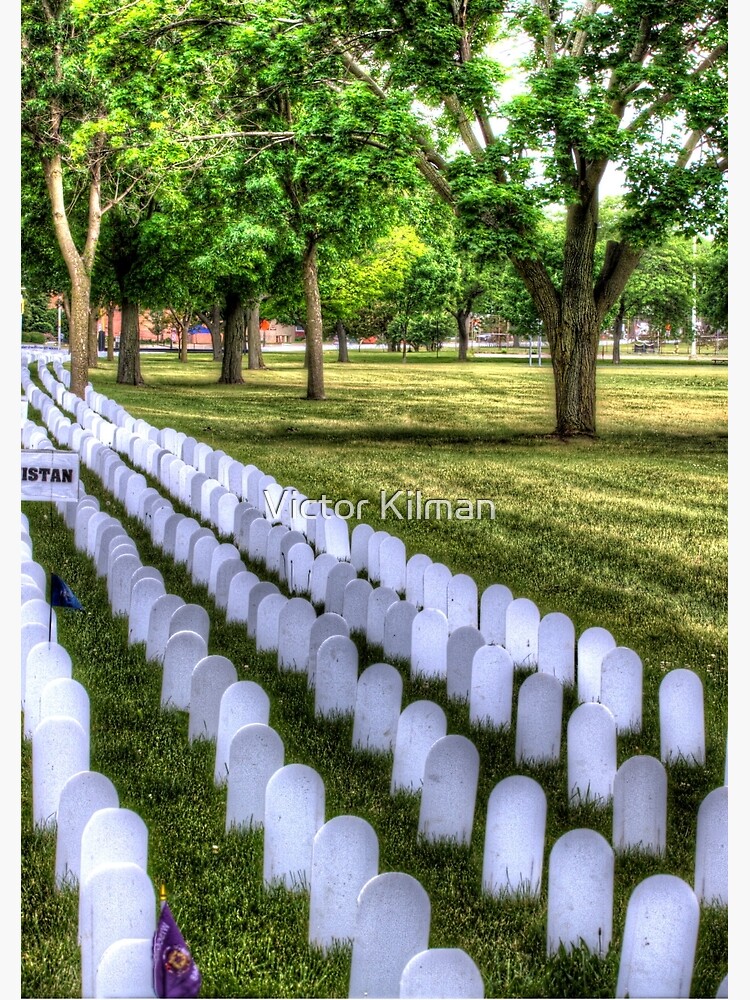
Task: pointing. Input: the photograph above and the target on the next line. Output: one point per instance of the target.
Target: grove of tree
(265, 148)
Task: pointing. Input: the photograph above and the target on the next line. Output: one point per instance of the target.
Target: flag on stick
(175, 971)
(62, 595)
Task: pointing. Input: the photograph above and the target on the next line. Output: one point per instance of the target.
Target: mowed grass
(628, 532)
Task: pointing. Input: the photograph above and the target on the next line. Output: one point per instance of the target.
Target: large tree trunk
(216, 331)
(234, 335)
(254, 346)
(79, 265)
(619, 326)
(573, 317)
(342, 339)
(93, 339)
(129, 363)
(314, 323)
(110, 331)
(462, 320)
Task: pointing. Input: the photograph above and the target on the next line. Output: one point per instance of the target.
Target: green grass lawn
(628, 532)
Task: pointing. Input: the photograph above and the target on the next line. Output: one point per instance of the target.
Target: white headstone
(255, 753)
(712, 849)
(429, 644)
(336, 668)
(299, 564)
(681, 723)
(356, 599)
(336, 581)
(377, 708)
(119, 582)
(158, 625)
(111, 834)
(359, 545)
(379, 600)
(514, 838)
(393, 564)
(273, 549)
(397, 628)
(592, 754)
(126, 969)
(580, 894)
(248, 514)
(59, 749)
(211, 677)
(323, 627)
(190, 618)
(33, 633)
(491, 690)
(238, 595)
(420, 724)
(45, 662)
(294, 812)
(556, 648)
(374, 542)
(267, 625)
(225, 574)
(463, 642)
(223, 552)
(242, 704)
(182, 652)
(257, 594)
(80, 797)
(659, 940)
(593, 644)
(65, 696)
(522, 632)
(539, 719)
(322, 567)
(639, 806)
(449, 790)
(295, 621)
(186, 528)
(415, 568)
(144, 595)
(119, 899)
(621, 688)
(462, 602)
(441, 972)
(335, 536)
(345, 856)
(392, 926)
(203, 544)
(435, 587)
(257, 540)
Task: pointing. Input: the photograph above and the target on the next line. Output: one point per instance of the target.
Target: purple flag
(61, 594)
(175, 971)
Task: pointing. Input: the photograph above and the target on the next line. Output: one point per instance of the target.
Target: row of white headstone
(420, 632)
(452, 755)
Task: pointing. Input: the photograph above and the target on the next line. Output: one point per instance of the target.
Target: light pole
(59, 322)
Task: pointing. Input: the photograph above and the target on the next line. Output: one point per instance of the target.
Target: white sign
(49, 475)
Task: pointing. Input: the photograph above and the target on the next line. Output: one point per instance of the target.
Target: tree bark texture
(93, 339)
(254, 347)
(462, 321)
(314, 324)
(572, 317)
(342, 339)
(216, 331)
(129, 363)
(78, 266)
(110, 331)
(234, 336)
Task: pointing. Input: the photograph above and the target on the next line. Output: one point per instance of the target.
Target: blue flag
(62, 595)
(175, 971)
